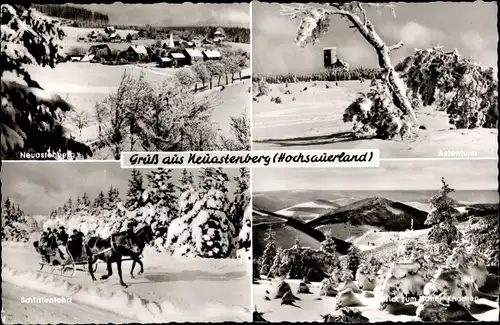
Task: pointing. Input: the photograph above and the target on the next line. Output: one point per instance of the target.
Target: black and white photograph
(88, 81)
(408, 241)
(415, 80)
(94, 243)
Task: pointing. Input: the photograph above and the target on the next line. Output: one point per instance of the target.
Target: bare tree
(201, 71)
(99, 113)
(81, 120)
(315, 22)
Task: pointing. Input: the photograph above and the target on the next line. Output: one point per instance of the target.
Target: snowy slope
(310, 308)
(171, 289)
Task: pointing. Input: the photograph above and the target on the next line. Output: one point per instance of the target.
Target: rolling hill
(375, 211)
(287, 231)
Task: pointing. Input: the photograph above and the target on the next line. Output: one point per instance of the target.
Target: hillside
(385, 214)
(287, 231)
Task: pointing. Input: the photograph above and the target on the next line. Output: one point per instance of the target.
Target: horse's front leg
(110, 271)
(119, 268)
(90, 260)
(132, 270)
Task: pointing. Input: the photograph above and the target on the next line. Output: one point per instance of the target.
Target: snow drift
(122, 302)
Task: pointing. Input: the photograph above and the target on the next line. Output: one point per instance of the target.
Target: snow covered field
(309, 308)
(171, 289)
(312, 119)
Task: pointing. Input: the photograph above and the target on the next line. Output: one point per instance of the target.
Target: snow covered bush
(366, 275)
(466, 90)
(304, 262)
(376, 114)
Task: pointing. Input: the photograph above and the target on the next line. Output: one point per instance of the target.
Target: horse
(112, 249)
(142, 237)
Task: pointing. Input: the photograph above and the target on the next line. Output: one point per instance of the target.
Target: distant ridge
(375, 211)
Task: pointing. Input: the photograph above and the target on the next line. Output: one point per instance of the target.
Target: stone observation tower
(329, 56)
(331, 60)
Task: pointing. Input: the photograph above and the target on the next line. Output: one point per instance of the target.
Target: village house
(164, 62)
(218, 36)
(135, 53)
(115, 37)
(100, 51)
(178, 59)
(211, 55)
(109, 30)
(192, 56)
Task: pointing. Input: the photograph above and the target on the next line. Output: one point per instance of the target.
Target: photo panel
(91, 242)
(408, 241)
(395, 77)
(125, 77)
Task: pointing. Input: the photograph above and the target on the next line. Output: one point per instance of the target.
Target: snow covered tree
(353, 259)
(85, 200)
(245, 234)
(443, 216)
(135, 190)
(270, 251)
(328, 245)
(69, 206)
(241, 199)
(240, 129)
(113, 196)
(31, 116)
(466, 90)
(7, 206)
(203, 229)
(212, 229)
(15, 226)
(160, 196)
(315, 22)
(100, 201)
(186, 180)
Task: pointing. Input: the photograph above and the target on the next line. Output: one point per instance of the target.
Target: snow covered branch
(396, 46)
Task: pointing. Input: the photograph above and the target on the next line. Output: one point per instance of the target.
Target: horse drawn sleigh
(86, 253)
(64, 259)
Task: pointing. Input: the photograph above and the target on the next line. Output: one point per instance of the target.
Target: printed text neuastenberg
(285, 158)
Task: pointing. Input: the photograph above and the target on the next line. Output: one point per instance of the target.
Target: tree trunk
(195, 87)
(203, 83)
(218, 83)
(227, 77)
(396, 84)
(210, 82)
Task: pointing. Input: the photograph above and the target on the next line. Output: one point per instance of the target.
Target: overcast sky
(469, 27)
(185, 14)
(394, 175)
(41, 187)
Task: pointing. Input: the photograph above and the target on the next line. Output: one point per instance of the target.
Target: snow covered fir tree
(193, 213)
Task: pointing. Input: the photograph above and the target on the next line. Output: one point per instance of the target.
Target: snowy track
(171, 289)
